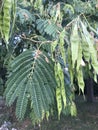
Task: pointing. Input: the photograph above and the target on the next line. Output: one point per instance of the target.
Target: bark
(2, 102)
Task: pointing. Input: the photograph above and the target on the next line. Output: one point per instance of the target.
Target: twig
(69, 24)
(32, 40)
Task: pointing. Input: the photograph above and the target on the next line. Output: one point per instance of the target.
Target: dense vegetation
(48, 48)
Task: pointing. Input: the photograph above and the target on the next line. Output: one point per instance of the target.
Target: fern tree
(51, 54)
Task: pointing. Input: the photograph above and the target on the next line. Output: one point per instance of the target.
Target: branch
(34, 41)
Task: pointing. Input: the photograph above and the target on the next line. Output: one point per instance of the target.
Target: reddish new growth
(37, 53)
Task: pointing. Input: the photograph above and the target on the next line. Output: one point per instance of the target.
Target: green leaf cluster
(31, 80)
(53, 50)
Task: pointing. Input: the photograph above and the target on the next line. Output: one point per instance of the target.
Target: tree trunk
(89, 90)
(2, 102)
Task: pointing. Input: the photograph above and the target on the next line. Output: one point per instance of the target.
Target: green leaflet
(24, 16)
(47, 91)
(41, 24)
(51, 29)
(36, 99)
(74, 39)
(34, 118)
(22, 102)
(13, 87)
(47, 27)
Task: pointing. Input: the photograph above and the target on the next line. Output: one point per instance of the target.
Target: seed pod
(73, 109)
(74, 39)
(80, 80)
(6, 19)
(59, 101)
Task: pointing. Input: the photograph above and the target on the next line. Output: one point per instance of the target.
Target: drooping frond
(47, 27)
(32, 79)
(25, 16)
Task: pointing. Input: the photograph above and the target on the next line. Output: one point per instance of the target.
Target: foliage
(31, 82)
(51, 43)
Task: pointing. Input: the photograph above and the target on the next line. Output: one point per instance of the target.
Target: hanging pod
(92, 50)
(74, 40)
(6, 19)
